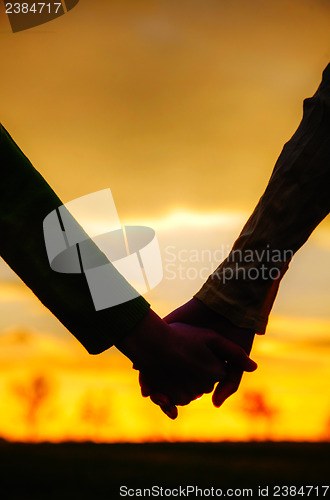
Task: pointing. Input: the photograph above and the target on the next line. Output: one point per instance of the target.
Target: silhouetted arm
(178, 358)
(237, 298)
(25, 200)
(243, 288)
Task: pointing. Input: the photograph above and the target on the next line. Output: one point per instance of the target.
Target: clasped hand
(186, 354)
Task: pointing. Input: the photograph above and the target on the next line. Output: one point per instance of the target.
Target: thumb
(228, 351)
(226, 388)
(158, 398)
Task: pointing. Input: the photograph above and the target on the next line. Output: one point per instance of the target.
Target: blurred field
(87, 470)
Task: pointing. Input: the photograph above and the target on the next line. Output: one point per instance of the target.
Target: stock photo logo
(85, 236)
(24, 15)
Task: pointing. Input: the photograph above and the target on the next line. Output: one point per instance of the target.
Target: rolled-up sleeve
(243, 288)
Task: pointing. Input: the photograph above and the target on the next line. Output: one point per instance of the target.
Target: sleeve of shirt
(25, 200)
(243, 288)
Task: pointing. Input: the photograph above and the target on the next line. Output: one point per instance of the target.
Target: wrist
(241, 336)
(141, 344)
(194, 312)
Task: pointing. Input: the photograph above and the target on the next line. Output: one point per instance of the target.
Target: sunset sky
(182, 109)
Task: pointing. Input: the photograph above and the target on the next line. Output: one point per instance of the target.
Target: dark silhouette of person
(183, 361)
(237, 298)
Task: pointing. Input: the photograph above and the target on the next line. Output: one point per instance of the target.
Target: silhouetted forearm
(25, 200)
(297, 198)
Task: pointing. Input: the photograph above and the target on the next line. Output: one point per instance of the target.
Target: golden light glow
(83, 397)
(182, 109)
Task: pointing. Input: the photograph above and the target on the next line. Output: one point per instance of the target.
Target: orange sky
(181, 108)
